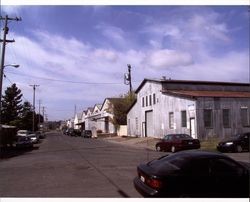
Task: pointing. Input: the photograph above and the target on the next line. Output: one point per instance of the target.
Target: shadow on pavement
(10, 152)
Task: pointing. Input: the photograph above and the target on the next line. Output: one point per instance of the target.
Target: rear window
(170, 163)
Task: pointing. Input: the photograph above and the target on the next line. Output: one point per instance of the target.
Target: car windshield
(22, 132)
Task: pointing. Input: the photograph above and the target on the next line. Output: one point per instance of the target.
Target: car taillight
(154, 183)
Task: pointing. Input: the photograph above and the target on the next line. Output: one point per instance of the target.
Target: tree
(11, 105)
(26, 116)
(119, 107)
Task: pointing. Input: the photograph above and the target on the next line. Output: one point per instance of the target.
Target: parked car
(193, 174)
(77, 132)
(34, 138)
(23, 132)
(87, 133)
(238, 143)
(40, 134)
(70, 132)
(177, 142)
(23, 142)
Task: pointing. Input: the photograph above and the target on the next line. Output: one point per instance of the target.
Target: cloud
(115, 35)
(162, 59)
(106, 54)
(10, 10)
(184, 47)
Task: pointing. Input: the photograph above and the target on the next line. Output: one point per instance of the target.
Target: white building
(198, 108)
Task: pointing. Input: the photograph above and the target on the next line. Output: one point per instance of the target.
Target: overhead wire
(13, 83)
(67, 81)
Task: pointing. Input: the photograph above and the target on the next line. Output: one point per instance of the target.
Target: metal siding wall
(218, 131)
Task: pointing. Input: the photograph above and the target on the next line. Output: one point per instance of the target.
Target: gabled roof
(162, 81)
(111, 100)
(219, 94)
(90, 109)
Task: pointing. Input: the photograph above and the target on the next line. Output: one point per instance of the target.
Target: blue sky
(59, 45)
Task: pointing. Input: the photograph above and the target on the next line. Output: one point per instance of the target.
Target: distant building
(199, 108)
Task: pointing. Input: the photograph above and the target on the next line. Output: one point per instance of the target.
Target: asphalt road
(63, 166)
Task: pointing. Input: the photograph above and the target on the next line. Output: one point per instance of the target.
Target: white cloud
(10, 10)
(106, 55)
(162, 59)
(179, 49)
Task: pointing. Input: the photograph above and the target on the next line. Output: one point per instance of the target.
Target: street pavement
(64, 166)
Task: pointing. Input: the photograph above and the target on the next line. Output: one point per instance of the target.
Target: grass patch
(209, 145)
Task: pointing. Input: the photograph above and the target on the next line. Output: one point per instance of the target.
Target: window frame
(245, 123)
(210, 117)
(184, 122)
(171, 120)
(224, 121)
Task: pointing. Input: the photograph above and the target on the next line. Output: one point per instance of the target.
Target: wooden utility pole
(4, 41)
(34, 107)
(127, 79)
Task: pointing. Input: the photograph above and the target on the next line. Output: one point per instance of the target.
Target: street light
(1, 83)
(12, 65)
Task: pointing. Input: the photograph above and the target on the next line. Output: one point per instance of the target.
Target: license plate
(142, 178)
(190, 143)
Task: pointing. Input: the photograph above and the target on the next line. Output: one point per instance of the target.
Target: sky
(78, 55)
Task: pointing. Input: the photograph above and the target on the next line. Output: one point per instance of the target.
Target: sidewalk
(144, 142)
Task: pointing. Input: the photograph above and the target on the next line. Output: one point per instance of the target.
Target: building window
(154, 100)
(171, 120)
(146, 101)
(208, 118)
(226, 118)
(143, 104)
(150, 100)
(136, 123)
(184, 118)
(244, 116)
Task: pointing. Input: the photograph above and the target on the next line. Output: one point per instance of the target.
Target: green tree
(119, 107)
(26, 116)
(11, 105)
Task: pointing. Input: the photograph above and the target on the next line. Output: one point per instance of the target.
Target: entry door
(149, 123)
(106, 124)
(143, 130)
(192, 128)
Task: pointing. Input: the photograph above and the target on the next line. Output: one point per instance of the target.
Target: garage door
(149, 124)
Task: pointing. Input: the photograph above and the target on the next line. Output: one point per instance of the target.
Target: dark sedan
(177, 142)
(193, 174)
(23, 142)
(87, 134)
(237, 143)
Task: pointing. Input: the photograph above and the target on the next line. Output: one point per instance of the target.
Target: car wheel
(238, 148)
(173, 150)
(158, 148)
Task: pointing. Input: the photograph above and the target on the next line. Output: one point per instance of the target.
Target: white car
(23, 132)
(34, 138)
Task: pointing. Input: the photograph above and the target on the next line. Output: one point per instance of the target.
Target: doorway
(192, 128)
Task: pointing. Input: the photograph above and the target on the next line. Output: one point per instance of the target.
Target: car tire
(173, 149)
(238, 148)
(158, 148)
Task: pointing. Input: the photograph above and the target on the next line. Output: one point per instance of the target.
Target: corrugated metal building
(201, 109)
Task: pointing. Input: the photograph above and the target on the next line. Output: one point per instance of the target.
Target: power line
(13, 83)
(67, 81)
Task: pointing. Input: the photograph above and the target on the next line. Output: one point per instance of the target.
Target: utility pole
(34, 107)
(39, 117)
(4, 41)
(127, 79)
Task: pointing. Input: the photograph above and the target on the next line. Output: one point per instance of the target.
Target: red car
(177, 142)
